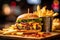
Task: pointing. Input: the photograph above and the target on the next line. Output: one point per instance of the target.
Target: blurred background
(11, 9)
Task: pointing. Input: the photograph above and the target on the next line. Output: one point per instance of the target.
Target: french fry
(55, 14)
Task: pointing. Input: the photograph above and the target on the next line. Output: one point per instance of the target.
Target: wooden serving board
(15, 36)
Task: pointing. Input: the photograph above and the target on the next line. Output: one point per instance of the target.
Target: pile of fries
(56, 24)
(44, 12)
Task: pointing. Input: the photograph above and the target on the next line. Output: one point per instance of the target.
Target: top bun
(27, 16)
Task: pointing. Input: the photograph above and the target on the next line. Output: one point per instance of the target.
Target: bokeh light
(55, 5)
(34, 1)
(6, 9)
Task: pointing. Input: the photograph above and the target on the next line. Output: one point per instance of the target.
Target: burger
(29, 22)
